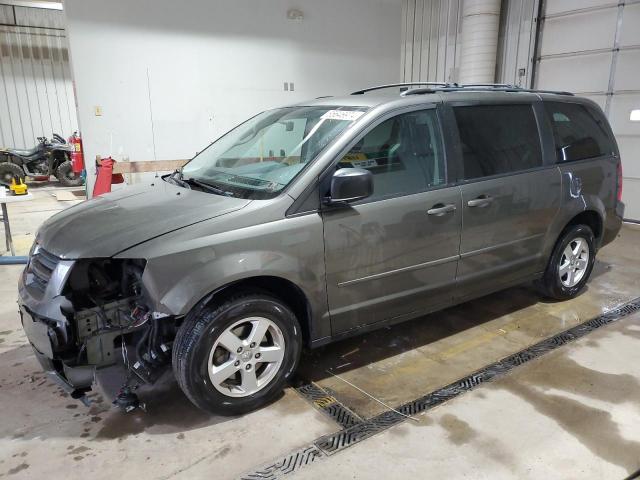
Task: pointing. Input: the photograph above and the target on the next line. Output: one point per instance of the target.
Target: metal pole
(7, 229)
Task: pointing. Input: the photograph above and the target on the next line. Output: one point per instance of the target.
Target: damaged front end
(88, 314)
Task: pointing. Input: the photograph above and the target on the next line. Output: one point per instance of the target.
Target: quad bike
(48, 157)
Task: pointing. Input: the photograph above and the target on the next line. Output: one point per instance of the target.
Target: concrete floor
(573, 413)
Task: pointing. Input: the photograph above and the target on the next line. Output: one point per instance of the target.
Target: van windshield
(262, 156)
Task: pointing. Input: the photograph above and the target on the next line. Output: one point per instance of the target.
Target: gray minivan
(318, 221)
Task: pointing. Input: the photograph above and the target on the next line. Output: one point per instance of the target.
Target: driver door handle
(481, 201)
(440, 209)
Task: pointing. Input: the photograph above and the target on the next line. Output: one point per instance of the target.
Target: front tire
(65, 175)
(234, 357)
(570, 265)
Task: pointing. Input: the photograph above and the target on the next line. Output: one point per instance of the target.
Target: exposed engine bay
(111, 322)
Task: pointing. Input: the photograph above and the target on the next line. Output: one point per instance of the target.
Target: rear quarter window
(578, 133)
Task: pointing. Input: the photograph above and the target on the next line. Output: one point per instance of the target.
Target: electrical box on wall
(295, 14)
(97, 111)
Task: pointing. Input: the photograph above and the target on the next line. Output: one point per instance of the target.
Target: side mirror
(349, 185)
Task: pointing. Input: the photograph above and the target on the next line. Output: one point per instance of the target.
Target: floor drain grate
(326, 402)
(285, 465)
(345, 438)
(357, 429)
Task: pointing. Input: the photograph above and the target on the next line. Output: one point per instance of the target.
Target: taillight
(619, 181)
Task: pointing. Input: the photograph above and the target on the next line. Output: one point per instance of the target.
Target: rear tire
(570, 265)
(234, 357)
(9, 171)
(65, 175)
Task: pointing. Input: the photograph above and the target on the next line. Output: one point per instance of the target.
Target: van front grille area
(41, 265)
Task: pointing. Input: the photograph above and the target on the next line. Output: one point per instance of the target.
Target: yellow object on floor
(18, 187)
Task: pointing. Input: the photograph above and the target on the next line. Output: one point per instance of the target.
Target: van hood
(111, 223)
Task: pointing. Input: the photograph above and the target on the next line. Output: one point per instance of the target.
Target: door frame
(545, 135)
(324, 179)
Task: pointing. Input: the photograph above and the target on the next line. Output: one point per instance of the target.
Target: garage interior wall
(432, 36)
(592, 48)
(36, 90)
(430, 40)
(517, 41)
(156, 80)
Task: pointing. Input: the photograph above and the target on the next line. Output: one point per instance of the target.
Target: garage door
(592, 47)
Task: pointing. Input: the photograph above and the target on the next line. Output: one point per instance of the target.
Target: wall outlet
(97, 110)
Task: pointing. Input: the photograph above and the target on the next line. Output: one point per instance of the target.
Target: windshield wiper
(208, 187)
(176, 178)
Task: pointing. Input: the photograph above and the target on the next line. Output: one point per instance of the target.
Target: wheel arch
(283, 289)
(590, 218)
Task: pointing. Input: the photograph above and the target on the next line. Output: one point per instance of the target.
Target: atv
(48, 157)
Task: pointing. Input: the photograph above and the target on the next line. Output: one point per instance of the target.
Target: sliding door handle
(481, 201)
(440, 209)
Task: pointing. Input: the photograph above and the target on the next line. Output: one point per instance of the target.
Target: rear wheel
(65, 174)
(235, 357)
(570, 264)
(9, 171)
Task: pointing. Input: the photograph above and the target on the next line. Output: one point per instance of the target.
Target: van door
(395, 253)
(509, 197)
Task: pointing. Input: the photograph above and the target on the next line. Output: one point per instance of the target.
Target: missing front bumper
(75, 380)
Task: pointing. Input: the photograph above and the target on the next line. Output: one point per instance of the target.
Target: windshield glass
(260, 157)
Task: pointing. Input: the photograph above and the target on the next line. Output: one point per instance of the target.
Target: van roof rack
(481, 87)
(393, 85)
(433, 87)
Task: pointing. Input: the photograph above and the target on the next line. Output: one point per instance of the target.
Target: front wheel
(65, 174)
(235, 357)
(570, 264)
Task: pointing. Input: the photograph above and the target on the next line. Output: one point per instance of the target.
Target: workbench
(4, 199)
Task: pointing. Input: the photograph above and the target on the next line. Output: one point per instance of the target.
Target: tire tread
(193, 328)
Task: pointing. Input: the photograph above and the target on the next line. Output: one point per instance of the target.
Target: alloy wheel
(574, 262)
(246, 357)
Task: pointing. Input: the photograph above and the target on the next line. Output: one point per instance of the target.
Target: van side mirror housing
(349, 185)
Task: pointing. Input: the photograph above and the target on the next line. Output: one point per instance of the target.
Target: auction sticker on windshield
(349, 115)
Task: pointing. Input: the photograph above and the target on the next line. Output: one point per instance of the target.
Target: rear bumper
(613, 224)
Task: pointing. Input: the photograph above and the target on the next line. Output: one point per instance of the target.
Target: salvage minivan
(315, 222)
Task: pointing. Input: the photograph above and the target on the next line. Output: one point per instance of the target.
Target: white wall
(212, 64)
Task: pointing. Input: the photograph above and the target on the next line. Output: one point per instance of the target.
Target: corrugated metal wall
(593, 49)
(432, 37)
(430, 47)
(36, 90)
(516, 45)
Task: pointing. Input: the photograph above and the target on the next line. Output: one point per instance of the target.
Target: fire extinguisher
(77, 157)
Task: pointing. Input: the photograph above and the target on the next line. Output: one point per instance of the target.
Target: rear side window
(498, 139)
(578, 133)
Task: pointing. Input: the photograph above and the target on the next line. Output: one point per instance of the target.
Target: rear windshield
(578, 133)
